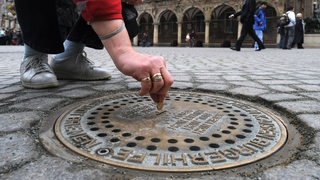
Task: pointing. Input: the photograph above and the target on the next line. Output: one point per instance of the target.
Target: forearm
(119, 45)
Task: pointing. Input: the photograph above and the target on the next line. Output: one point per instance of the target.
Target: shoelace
(83, 58)
(38, 64)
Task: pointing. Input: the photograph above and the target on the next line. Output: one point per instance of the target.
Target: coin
(159, 106)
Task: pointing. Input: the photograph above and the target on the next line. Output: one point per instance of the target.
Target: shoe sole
(39, 86)
(64, 76)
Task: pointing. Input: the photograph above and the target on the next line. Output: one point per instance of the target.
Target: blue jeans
(259, 33)
(289, 37)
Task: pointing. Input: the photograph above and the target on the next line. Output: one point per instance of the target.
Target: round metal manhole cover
(194, 132)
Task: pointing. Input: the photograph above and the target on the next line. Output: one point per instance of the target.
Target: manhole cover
(194, 132)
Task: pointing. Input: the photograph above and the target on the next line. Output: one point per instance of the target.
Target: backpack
(284, 19)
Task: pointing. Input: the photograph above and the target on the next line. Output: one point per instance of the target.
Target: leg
(290, 37)
(255, 37)
(244, 32)
(41, 36)
(259, 33)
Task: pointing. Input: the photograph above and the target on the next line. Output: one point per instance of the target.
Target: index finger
(162, 93)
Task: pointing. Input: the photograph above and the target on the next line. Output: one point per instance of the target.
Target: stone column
(179, 33)
(155, 34)
(135, 40)
(207, 32)
(239, 29)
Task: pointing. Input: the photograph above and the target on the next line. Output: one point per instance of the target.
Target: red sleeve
(99, 10)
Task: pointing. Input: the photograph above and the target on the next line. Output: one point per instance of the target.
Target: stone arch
(168, 27)
(222, 29)
(194, 20)
(145, 21)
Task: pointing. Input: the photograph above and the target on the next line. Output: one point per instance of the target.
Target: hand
(133, 2)
(231, 16)
(146, 68)
(142, 67)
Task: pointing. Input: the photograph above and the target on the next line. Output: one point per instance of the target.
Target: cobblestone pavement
(288, 81)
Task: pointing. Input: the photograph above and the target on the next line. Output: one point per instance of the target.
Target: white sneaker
(78, 67)
(36, 73)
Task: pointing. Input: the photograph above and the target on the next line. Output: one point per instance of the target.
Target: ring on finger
(157, 77)
(146, 79)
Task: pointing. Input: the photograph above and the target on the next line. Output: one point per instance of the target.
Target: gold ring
(146, 79)
(156, 77)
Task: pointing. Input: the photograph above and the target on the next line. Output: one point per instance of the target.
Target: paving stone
(56, 168)
(39, 104)
(298, 170)
(108, 87)
(311, 81)
(4, 96)
(16, 149)
(283, 82)
(182, 85)
(301, 106)
(247, 84)
(17, 121)
(309, 87)
(248, 91)
(279, 97)
(234, 78)
(11, 89)
(315, 95)
(30, 95)
(76, 93)
(312, 120)
(282, 88)
(256, 77)
(213, 87)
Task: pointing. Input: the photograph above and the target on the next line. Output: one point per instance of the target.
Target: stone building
(168, 21)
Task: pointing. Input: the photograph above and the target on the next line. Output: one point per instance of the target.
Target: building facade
(168, 21)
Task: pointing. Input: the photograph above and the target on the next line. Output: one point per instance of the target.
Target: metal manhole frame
(282, 141)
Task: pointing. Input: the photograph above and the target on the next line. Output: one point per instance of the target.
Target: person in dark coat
(247, 19)
(280, 25)
(299, 32)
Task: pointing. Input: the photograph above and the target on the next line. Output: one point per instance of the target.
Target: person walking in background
(299, 32)
(289, 29)
(145, 39)
(188, 40)
(193, 37)
(100, 20)
(247, 19)
(260, 22)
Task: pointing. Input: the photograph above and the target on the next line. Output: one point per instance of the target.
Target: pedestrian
(145, 39)
(289, 29)
(283, 21)
(260, 22)
(102, 19)
(247, 19)
(188, 40)
(299, 32)
(193, 37)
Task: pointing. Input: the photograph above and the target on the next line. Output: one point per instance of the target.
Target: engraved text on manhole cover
(194, 132)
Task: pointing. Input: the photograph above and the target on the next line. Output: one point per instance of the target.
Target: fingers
(158, 95)
(157, 85)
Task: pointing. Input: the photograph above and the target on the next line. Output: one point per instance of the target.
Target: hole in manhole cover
(194, 132)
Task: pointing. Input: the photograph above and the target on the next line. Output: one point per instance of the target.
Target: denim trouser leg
(260, 36)
(290, 37)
